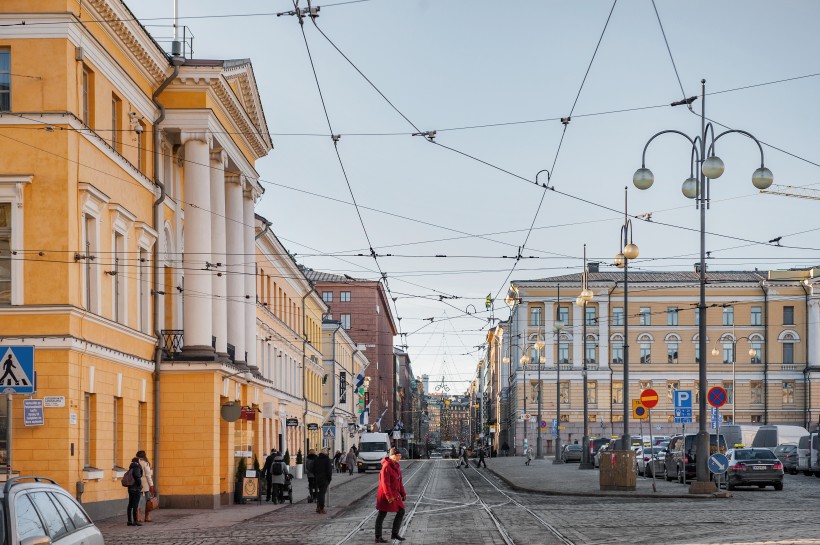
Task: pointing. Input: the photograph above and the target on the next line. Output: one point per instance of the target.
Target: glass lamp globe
(631, 251)
(690, 188)
(619, 260)
(762, 178)
(539, 345)
(587, 294)
(713, 167)
(752, 352)
(542, 359)
(505, 359)
(715, 352)
(579, 301)
(643, 178)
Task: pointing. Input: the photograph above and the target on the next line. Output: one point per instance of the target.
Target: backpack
(128, 479)
(276, 468)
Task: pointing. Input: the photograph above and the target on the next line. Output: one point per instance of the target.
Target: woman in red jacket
(390, 496)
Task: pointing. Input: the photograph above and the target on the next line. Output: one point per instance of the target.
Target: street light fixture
(716, 352)
(539, 345)
(586, 296)
(697, 187)
(628, 251)
(557, 332)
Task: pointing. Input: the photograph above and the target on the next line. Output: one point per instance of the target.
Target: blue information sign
(17, 371)
(33, 412)
(683, 406)
(718, 463)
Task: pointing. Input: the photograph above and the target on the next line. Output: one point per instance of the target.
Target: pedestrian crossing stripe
(17, 369)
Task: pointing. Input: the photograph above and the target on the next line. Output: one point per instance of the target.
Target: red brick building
(363, 308)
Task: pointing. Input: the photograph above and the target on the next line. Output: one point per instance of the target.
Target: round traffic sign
(543, 424)
(716, 396)
(649, 398)
(718, 463)
(640, 411)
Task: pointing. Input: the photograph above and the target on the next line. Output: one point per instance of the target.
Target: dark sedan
(787, 454)
(571, 453)
(754, 467)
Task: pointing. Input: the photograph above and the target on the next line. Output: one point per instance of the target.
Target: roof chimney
(593, 266)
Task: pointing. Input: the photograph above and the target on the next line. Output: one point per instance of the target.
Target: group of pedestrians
(140, 491)
(463, 460)
(346, 461)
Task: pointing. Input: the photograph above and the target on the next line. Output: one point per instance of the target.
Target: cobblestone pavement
(465, 507)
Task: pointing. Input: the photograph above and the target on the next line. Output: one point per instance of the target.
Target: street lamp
(628, 251)
(539, 345)
(585, 296)
(697, 187)
(716, 352)
(557, 332)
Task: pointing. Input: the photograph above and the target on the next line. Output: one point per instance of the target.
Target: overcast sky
(451, 64)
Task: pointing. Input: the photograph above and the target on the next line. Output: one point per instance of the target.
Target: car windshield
(573, 447)
(373, 447)
(754, 454)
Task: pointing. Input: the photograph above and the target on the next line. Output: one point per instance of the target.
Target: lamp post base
(557, 461)
(702, 487)
(586, 465)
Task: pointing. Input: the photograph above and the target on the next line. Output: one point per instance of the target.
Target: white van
(771, 436)
(808, 454)
(373, 448)
(738, 435)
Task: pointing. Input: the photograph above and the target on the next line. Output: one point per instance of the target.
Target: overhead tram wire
(669, 50)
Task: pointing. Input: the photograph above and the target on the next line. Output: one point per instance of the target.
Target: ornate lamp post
(698, 187)
(628, 251)
(558, 327)
(585, 296)
(716, 352)
(539, 345)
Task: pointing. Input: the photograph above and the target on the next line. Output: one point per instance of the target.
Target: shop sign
(313, 426)
(292, 422)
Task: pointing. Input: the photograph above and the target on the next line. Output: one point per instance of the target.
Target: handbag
(152, 504)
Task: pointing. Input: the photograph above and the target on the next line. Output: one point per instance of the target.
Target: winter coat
(137, 472)
(322, 470)
(390, 488)
(309, 460)
(278, 479)
(350, 459)
(147, 475)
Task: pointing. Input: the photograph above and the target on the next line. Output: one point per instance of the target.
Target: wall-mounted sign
(242, 454)
(33, 412)
(248, 413)
(313, 426)
(292, 422)
(342, 387)
(54, 401)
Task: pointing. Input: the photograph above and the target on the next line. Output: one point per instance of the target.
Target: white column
(250, 274)
(196, 297)
(814, 332)
(577, 336)
(550, 339)
(603, 334)
(235, 249)
(219, 162)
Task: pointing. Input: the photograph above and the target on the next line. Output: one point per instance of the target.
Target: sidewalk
(344, 489)
(566, 479)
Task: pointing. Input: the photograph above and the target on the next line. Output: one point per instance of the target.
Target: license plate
(758, 467)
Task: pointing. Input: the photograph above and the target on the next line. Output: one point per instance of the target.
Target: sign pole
(8, 436)
(651, 452)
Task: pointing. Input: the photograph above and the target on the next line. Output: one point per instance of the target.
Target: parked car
(436, 456)
(680, 456)
(642, 459)
(596, 444)
(608, 447)
(787, 454)
(38, 510)
(405, 455)
(571, 453)
(657, 467)
(754, 467)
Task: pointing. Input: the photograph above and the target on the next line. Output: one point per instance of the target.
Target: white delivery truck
(373, 448)
(771, 436)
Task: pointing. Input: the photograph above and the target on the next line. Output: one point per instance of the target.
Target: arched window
(645, 341)
(672, 345)
(616, 347)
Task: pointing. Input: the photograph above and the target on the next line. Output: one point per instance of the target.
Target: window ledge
(92, 474)
(118, 472)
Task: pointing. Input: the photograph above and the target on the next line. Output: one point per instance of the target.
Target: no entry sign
(649, 398)
(716, 396)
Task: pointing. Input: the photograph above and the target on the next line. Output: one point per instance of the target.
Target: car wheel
(730, 486)
(666, 475)
(681, 476)
(648, 471)
(807, 473)
(778, 486)
(761, 486)
(817, 474)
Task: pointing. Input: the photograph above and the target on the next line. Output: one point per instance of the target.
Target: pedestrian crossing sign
(17, 370)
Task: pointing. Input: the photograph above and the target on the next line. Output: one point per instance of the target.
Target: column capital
(234, 178)
(200, 136)
(220, 157)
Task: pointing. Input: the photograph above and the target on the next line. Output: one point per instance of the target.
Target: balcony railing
(171, 343)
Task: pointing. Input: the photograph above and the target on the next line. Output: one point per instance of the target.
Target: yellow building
(763, 336)
(116, 157)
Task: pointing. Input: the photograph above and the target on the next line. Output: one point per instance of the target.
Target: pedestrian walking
(528, 454)
(134, 492)
(458, 456)
(391, 496)
(505, 449)
(322, 473)
(481, 459)
(266, 474)
(464, 457)
(337, 461)
(147, 487)
(350, 460)
(278, 474)
(309, 461)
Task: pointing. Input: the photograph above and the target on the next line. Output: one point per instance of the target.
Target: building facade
(343, 361)
(363, 309)
(763, 339)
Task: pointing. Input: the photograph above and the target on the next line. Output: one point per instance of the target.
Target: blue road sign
(555, 427)
(683, 406)
(33, 412)
(718, 463)
(17, 370)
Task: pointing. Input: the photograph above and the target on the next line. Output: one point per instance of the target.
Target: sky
(494, 79)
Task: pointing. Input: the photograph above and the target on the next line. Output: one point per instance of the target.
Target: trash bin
(618, 470)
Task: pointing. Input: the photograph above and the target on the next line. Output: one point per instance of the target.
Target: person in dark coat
(134, 492)
(267, 475)
(322, 474)
(309, 461)
(505, 449)
(390, 496)
(481, 458)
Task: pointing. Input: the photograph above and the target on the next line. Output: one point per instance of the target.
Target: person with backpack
(147, 487)
(278, 474)
(311, 477)
(133, 480)
(322, 473)
(266, 474)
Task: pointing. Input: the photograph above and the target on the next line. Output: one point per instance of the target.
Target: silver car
(38, 511)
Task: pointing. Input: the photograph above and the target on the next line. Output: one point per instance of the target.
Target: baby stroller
(287, 490)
